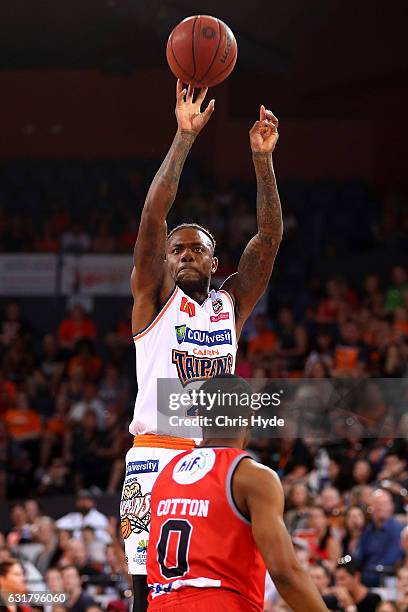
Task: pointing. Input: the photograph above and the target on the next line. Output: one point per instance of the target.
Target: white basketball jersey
(187, 341)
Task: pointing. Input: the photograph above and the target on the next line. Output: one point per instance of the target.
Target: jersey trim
(160, 441)
(228, 484)
(159, 315)
(231, 299)
(200, 583)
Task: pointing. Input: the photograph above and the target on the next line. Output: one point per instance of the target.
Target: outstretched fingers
(190, 93)
(209, 110)
(201, 95)
(180, 92)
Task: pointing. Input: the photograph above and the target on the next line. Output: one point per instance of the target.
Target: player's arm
(151, 282)
(248, 284)
(259, 495)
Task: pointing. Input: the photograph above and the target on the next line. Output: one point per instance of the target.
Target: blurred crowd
(66, 396)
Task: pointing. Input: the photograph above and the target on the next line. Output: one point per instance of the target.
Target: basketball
(126, 527)
(202, 51)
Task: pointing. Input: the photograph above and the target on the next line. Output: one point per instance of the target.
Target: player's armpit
(250, 281)
(259, 494)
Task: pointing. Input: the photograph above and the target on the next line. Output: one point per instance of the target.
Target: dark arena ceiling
(315, 43)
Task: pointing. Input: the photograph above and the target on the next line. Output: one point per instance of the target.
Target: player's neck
(223, 442)
(197, 291)
(197, 296)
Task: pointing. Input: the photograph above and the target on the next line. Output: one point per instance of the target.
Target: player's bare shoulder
(148, 301)
(255, 483)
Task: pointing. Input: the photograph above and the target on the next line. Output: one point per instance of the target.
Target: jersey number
(184, 529)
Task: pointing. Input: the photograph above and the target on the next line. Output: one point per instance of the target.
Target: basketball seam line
(215, 54)
(175, 57)
(222, 71)
(192, 46)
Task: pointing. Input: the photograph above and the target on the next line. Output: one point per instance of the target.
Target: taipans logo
(191, 368)
(194, 466)
(202, 338)
(134, 509)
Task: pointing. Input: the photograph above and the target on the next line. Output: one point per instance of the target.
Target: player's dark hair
(233, 390)
(194, 226)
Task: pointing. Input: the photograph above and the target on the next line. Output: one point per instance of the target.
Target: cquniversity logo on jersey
(194, 466)
(142, 467)
(202, 338)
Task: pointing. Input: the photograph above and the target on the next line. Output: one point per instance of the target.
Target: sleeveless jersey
(198, 537)
(187, 341)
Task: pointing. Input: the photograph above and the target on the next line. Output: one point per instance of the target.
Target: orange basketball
(125, 527)
(202, 51)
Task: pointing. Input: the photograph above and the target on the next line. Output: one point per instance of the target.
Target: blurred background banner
(28, 274)
(96, 274)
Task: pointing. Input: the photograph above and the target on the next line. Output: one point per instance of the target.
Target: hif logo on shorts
(142, 467)
(202, 337)
(194, 466)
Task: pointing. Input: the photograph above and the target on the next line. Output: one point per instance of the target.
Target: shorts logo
(134, 509)
(194, 466)
(141, 552)
(187, 307)
(142, 467)
(202, 338)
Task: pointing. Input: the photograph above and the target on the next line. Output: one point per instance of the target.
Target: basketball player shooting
(181, 330)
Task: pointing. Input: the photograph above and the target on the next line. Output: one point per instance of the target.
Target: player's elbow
(286, 574)
(270, 240)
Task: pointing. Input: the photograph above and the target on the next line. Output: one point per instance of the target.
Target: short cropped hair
(194, 226)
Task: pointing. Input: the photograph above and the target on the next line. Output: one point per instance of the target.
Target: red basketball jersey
(198, 537)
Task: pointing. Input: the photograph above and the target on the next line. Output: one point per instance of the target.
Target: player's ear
(214, 265)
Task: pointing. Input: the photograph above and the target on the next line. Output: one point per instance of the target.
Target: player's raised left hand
(264, 135)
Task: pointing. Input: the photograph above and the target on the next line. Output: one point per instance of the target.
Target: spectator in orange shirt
(264, 341)
(22, 423)
(86, 357)
(76, 327)
(24, 430)
(350, 354)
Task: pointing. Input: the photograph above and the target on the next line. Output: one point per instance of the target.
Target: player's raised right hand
(188, 112)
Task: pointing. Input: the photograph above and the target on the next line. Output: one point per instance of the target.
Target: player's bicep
(149, 253)
(266, 505)
(253, 275)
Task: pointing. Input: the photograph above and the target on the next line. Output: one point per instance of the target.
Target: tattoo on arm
(163, 189)
(255, 266)
(268, 206)
(149, 252)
